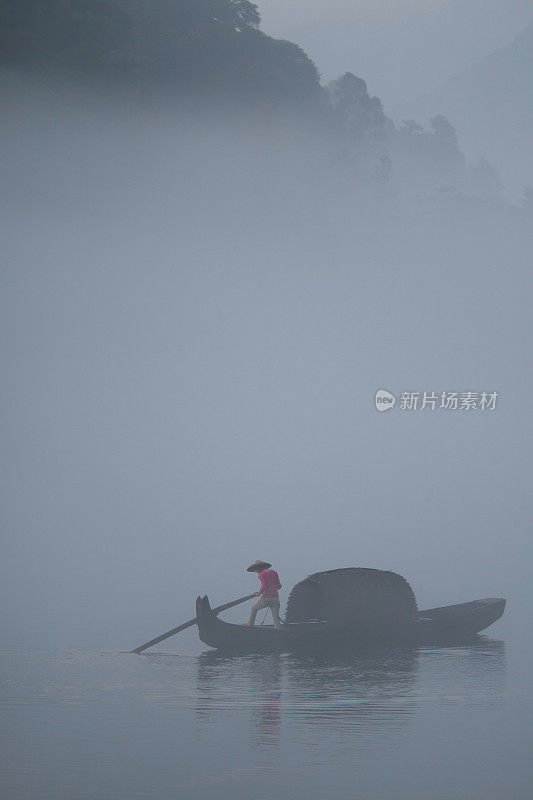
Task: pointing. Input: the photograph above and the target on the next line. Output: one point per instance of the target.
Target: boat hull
(436, 625)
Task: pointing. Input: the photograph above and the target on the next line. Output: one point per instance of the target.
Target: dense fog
(199, 303)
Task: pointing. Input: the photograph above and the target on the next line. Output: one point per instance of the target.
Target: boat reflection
(371, 693)
(307, 689)
(471, 673)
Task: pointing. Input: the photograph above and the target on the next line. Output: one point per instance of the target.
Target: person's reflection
(253, 681)
(267, 712)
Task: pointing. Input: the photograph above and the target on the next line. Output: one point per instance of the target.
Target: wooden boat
(433, 625)
(357, 608)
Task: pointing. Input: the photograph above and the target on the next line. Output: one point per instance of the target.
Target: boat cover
(354, 595)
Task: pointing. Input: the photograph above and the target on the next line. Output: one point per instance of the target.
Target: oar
(190, 623)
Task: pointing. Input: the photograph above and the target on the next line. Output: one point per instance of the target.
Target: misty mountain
(212, 51)
(491, 106)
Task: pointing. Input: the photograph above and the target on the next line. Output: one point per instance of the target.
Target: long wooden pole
(190, 623)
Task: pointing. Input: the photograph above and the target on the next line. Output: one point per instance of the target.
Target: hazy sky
(401, 47)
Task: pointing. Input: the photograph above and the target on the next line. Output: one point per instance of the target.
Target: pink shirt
(269, 583)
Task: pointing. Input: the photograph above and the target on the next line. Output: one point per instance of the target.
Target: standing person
(269, 592)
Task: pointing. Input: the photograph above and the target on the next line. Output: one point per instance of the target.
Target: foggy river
(421, 723)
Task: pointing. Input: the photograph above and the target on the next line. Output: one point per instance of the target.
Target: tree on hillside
(357, 113)
(197, 47)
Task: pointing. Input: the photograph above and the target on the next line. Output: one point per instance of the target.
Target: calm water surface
(405, 723)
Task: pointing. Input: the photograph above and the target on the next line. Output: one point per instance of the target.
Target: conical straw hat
(254, 567)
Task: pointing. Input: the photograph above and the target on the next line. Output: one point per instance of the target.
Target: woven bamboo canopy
(352, 596)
